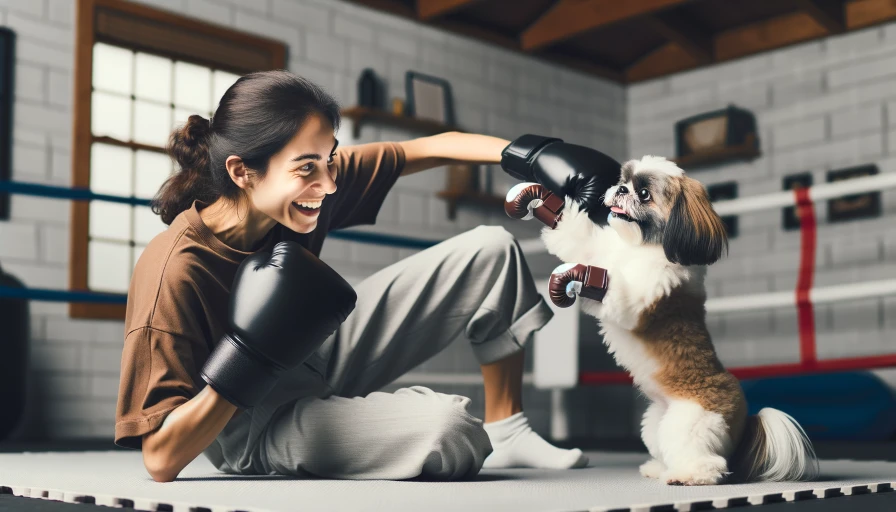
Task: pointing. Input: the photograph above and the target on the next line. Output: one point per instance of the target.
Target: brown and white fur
(653, 321)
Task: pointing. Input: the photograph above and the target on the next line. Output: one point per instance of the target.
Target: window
(139, 74)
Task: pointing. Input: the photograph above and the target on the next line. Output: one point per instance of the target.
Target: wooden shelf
(745, 151)
(455, 197)
(365, 115)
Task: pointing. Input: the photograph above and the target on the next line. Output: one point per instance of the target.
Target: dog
(661, 235)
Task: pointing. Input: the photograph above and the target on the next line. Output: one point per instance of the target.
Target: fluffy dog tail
(775, 448)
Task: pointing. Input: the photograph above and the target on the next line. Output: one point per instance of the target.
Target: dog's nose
(622, 190)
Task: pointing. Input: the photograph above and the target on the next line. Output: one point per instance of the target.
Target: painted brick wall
(76, 363)
(819, 106)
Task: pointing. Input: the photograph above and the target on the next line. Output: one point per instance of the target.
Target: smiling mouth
(619, 213)
(307, 207)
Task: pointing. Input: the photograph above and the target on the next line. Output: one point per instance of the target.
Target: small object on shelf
(428, 97)
(858, 206)
(716, 137)
(463, 177)
(370, 90)
(463, 185)
(398, 106)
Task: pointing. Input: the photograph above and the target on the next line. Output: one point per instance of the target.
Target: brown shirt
(179, 292)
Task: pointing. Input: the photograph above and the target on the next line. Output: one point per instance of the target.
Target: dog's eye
(644, 194)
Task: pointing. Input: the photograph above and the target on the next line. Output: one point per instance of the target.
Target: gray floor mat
(611, 482)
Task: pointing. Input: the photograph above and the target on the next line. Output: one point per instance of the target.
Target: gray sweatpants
(328, 419)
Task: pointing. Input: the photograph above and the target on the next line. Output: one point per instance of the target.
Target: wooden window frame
(141, 28)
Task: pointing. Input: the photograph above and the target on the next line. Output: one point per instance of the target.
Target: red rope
(805, 312)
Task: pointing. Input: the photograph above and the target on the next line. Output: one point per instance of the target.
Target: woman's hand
(451, 148)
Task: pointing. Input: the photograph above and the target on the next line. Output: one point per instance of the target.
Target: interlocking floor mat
(611, 482)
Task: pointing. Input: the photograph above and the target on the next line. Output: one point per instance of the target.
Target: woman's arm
(185, 433)
(451, 148)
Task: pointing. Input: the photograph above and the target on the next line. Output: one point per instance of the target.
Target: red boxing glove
(571, 279)
(527, 200)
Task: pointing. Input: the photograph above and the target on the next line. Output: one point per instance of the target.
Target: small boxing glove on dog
(531, 200)
(572, 279)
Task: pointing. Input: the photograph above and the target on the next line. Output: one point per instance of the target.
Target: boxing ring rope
(84, 194)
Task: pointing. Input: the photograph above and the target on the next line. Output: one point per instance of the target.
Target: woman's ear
(238, 171)
(694, 234)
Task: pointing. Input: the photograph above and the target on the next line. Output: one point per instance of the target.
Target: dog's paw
(707, 471)
(652, 469)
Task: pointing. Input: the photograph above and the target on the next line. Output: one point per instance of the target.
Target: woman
(254, 175)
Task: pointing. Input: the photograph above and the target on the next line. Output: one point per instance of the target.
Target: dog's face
(656, 204)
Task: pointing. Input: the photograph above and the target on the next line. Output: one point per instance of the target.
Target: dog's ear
(694, 234)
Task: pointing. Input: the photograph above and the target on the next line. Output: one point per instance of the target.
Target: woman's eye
(644, 194)
(330, 158)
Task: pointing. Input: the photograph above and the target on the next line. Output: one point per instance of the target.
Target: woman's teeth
(309, 204)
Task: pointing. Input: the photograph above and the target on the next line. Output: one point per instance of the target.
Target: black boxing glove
(573, 279)
(567, 170)
(283, 306)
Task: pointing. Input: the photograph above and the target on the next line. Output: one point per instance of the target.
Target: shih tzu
(641, 275)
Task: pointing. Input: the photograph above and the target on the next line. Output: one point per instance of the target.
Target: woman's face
(299, 177)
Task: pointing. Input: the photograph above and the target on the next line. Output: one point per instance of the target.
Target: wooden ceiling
(634, 40)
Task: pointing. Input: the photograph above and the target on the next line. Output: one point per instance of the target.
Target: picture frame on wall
(429, 97)
(858, 206)
(790, 219)
(724, 192)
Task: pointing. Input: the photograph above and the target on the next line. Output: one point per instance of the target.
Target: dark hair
(257, 116)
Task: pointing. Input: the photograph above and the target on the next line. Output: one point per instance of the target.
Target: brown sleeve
(157, 376)
(366, 174)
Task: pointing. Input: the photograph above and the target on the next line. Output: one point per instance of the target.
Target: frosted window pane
(192, 87)
(153, 80)
(152, 123)
(222, 81)
(111, 170)
(137, 252)
(146, 224)
(152, 171)
(110, 220)
(110, 116)
(112, 69)
(108, 266)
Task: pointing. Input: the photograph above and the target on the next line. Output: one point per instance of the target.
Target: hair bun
(196, 131)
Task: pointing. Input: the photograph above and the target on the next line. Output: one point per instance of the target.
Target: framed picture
(7, 83)
(790, 219)
(858, 206)
(428, 97)
(717, 136)
(724, 192)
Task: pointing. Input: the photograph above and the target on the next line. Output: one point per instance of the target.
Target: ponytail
(189, 147)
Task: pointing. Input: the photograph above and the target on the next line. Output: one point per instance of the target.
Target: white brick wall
(819, 106)
(76, 362)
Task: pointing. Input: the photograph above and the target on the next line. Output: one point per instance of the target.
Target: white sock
(516, 445)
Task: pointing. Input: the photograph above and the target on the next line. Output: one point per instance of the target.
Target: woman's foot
(516, 445)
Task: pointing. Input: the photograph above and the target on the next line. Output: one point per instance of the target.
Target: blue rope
(41, 294)
(83, 194)
(77, 194)
(381, 239)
